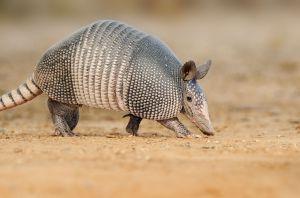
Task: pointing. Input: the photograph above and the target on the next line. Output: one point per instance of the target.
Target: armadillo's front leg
(61, 126)
(65, 117)
(133, 124)
(175, 125)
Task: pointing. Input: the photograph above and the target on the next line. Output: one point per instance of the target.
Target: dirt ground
(253, 90)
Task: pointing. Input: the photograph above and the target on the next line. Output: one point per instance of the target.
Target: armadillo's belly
(90, 67)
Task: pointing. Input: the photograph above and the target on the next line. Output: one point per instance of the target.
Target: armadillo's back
(108, 64)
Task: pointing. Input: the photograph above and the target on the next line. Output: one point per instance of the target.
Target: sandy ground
(253, 91)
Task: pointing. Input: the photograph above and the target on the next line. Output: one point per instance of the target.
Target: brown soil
(253, 91)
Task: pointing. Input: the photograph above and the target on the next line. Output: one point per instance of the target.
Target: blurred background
(254, 44)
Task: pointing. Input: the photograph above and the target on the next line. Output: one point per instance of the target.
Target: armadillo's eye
(189, 99)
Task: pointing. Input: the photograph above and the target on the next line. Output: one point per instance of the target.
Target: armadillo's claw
(132, 131)
(64, 133)
(133, 124)
(175, 125)
(191, 135)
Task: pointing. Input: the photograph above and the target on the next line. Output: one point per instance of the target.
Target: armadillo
(111, 65)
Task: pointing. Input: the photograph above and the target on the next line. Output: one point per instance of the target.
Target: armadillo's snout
(205, 127)
(207, 130)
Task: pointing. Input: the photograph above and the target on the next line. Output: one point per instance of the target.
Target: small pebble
(111, 136)
(208, 147)
(18, 150)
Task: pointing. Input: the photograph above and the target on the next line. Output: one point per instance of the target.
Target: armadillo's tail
(24, 93)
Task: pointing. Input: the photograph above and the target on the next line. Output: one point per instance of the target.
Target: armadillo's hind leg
(133, 124)
(64, 116)
(73, 118)
(175, 125)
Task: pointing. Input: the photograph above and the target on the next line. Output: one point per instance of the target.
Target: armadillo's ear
(188, 70)
(203, 69)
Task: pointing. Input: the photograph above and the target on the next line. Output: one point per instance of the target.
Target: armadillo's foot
(64, 133)
(65, 117)
(133, 124)
(175, 125)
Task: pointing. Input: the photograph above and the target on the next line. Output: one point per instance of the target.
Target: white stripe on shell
(17, 98)
(32, 86)
(7, 101)
(25, 92)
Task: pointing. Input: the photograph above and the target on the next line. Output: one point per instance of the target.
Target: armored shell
(111, 65)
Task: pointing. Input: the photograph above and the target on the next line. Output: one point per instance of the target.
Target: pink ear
(203, 69)
(188, 70)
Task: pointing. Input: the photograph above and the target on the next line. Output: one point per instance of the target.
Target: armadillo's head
(194, 101)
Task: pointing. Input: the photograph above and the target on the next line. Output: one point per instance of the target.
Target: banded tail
(24, 93)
